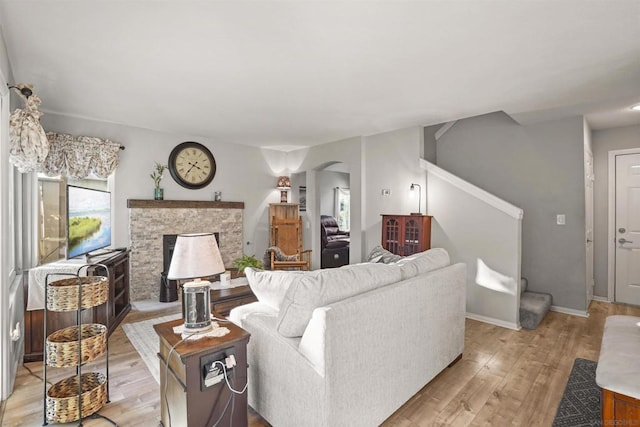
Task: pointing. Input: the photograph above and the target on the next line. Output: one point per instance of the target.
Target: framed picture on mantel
(302, 198)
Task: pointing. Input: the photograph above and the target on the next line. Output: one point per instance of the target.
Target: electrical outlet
(386, 191)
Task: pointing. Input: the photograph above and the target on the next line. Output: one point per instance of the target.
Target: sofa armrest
(278, 375)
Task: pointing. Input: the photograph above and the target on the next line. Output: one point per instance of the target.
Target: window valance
(79, 156)
(33, 150)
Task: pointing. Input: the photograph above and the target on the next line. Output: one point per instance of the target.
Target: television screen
(88, 220)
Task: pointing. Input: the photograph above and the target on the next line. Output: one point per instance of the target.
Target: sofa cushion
(380, 254)
(270, 286)
(423, 262)
(321, 287)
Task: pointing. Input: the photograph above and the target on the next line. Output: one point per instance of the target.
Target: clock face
(192, 165)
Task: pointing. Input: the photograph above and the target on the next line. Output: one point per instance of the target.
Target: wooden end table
(189, 400)
(225, 299)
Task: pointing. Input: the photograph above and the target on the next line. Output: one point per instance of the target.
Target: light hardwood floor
(505, 377)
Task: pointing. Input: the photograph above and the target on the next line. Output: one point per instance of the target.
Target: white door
(588, 209)
(627, 232)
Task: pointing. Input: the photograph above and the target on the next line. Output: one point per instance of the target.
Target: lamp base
(283, 196)
(197, 309)
(196, 330)
(416, 213)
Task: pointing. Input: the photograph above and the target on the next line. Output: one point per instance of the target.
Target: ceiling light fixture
(635, 107)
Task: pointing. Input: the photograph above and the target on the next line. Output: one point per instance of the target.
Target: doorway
(624, 226)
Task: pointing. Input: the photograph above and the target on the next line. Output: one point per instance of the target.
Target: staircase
(533, 306)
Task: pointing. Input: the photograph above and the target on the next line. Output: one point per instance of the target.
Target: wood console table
(118, 307)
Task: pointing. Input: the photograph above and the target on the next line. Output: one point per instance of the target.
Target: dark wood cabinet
(406, 234)
(118, 306)
(223, 300)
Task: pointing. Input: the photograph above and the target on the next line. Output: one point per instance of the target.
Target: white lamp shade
(195, 256)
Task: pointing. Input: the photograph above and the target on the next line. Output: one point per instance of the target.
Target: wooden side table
(189, 401)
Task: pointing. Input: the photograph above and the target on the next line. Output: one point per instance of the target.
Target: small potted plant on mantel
(158, 193)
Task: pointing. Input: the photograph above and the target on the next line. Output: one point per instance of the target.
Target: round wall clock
(192, 165)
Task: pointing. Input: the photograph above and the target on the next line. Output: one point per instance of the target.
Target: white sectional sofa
(349, 346)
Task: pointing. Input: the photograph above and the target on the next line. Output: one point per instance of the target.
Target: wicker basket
(62, 295)
(62, 397)
(62, 345)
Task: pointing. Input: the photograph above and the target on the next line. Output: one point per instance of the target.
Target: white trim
(611, 224)
(485, 196)
(600, 299)
(444, 129)
(492, 321)
(570, 311)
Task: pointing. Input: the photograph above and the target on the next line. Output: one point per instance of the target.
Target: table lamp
(196, 256)
(284, 185)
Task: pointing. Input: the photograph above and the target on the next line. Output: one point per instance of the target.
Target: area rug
(580, 404)
(146, 342)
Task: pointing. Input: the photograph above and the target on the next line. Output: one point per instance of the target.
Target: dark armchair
(335, 243)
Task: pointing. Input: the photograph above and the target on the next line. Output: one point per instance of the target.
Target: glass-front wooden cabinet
(406, 234)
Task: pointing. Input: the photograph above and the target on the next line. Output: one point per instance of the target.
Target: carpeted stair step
(533, 306)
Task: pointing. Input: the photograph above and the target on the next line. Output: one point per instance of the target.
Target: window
(343, 208)
(52, 215)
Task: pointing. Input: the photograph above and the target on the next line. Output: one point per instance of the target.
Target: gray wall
(489, 236)
(540, 169)
(243, 174)
(604, 141)
(392, 161)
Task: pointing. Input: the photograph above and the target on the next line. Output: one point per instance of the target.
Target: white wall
(539, 168)
(474, 231)
(604, 141)
(327, 182)
(243, 174)
(392, 161)
(313, 160)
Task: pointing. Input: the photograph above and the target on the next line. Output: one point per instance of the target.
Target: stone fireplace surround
(149, 220)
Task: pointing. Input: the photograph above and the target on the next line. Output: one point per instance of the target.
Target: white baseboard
(571, 311)
(492, 321)
(600, 299)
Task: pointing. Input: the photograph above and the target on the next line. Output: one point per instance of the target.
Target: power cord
(226, 379)
(166, 371)
(35, 375)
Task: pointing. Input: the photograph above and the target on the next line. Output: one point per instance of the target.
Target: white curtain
(342, 208)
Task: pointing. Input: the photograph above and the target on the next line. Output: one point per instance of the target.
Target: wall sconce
(284, 185)
(196, 256)
(413, 188)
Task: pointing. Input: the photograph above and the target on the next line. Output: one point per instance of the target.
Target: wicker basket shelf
(62, 397)
(62, 345)
(62, 295)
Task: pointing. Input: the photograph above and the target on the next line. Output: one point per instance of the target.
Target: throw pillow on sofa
(423, 262)
(319, 288)
(380, 254)
(270, 286)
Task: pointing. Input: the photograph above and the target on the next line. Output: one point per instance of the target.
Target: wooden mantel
(188, 204)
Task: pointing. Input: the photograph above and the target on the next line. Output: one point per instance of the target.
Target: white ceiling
(299, 73)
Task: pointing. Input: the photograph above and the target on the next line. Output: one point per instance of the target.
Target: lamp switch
(560, 219)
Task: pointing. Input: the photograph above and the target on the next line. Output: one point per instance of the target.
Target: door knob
(622, 241)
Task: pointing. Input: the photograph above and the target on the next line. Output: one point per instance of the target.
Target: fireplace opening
(169, 288)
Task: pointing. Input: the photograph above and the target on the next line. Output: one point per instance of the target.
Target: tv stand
(89, 255)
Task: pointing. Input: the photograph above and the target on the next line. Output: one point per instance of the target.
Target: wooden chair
(286, 234)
